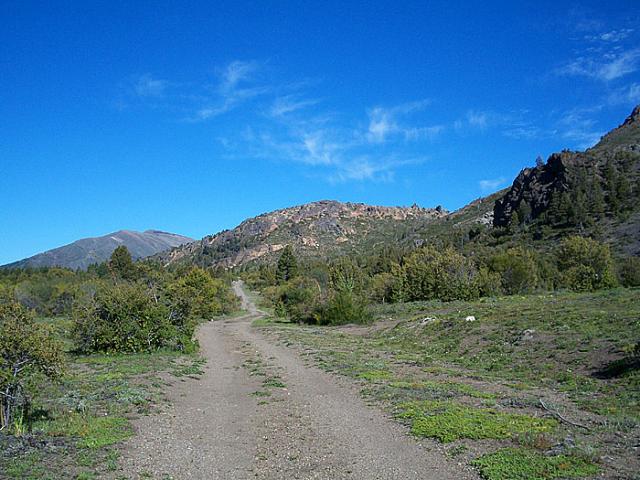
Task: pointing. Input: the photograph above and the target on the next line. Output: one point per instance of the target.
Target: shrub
(198, 295)
(517, 269)
(344, 307)
(446, 275)
(629, 272)
(489, 283)
(298, 299)
(125, 318)
(25, 348)
(585, 264)
(381, 287)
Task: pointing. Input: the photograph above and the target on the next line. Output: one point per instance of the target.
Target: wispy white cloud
(147, 86)
(236, 85)
(289, 104)
(386, 122)
(579, 127)
(604, 67)
(612, 36)
(628, 94)
(490, 185)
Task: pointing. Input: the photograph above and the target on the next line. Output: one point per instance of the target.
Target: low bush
(585, 264)
(25, 349)
(126, 318)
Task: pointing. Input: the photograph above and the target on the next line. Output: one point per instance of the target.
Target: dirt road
(307, 424)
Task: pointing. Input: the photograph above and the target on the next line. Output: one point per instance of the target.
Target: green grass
(85, 414)
(27, 467)
(90, 431)
(375, 375)
(481, 373)
(450, 421)
(525, 464)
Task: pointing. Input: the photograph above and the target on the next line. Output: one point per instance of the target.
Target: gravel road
(225, 425)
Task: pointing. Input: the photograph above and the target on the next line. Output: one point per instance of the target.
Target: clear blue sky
(191, 116)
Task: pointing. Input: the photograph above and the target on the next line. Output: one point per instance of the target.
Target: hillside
(587, 192)
(591, 191)
(82, 253)
(318, 229)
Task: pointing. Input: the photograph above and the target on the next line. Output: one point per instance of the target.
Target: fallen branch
(561, 418)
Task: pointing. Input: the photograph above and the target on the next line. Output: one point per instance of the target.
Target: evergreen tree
(287, 266)
(514, 222)
(121, 264)
(611, 182)
(596, 203)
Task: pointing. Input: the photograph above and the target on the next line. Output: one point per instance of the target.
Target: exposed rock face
(313, 229)
(536, 186)
(82, 253)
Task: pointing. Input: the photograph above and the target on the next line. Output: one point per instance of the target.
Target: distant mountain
(82, 253)
(319, 229)
(598, 188)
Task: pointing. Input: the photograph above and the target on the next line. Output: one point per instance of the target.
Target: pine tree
(121, 264)
(597, 204)
(287, 266)
(611, 182)
(514, 222)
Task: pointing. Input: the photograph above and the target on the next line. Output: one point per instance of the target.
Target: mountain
(594, 190)
(572, 192)
(319, 229)
(82, 253)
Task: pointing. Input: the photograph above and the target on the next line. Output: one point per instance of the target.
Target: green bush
(198, 295)
(446, 275)
(25, 348)
(629, 271)
(585, 264)
(344, 307)
(126, 318)
(298, 299)
(517, 269)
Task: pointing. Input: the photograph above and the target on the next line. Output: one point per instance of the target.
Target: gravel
(316, 427)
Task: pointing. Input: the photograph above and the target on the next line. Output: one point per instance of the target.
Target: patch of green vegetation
(26, 467)
(525, 464)
(447, 386)
(268, 320)
(192, 368)
(273, 382)
(261, 393)
(449, 421)
(374, 375)
(91, 431)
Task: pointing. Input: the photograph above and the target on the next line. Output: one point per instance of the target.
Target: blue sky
(191, 116)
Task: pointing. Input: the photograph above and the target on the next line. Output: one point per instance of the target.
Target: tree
(430, 273)
(514, 222)
(198, 295)
(539, 162)
(629, 271)
(121, 264)
(585, 264)
(287, 268)
(517, 269)
(25, 348)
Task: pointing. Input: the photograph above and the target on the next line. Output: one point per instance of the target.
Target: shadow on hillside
(618, 368)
